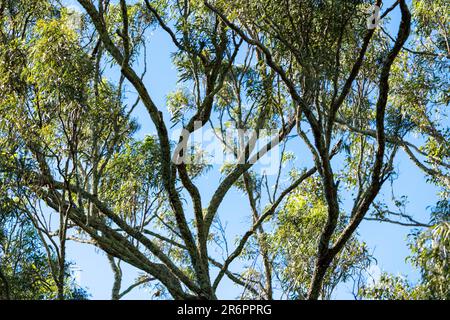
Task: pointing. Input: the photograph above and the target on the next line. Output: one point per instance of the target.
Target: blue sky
(388, 242)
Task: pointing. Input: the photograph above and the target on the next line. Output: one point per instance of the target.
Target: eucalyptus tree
(314, 72)
(319, 50)
(28, 269)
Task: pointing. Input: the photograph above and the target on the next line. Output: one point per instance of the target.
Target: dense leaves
(341, 101)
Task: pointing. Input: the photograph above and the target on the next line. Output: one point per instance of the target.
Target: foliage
(429, 254)
(24, 264)
(71, 82)
(295, 240)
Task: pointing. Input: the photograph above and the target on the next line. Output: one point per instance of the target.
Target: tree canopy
(350, 89)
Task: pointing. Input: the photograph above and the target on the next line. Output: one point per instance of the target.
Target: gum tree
(311, 71)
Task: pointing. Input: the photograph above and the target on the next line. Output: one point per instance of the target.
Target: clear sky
(388, 242)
